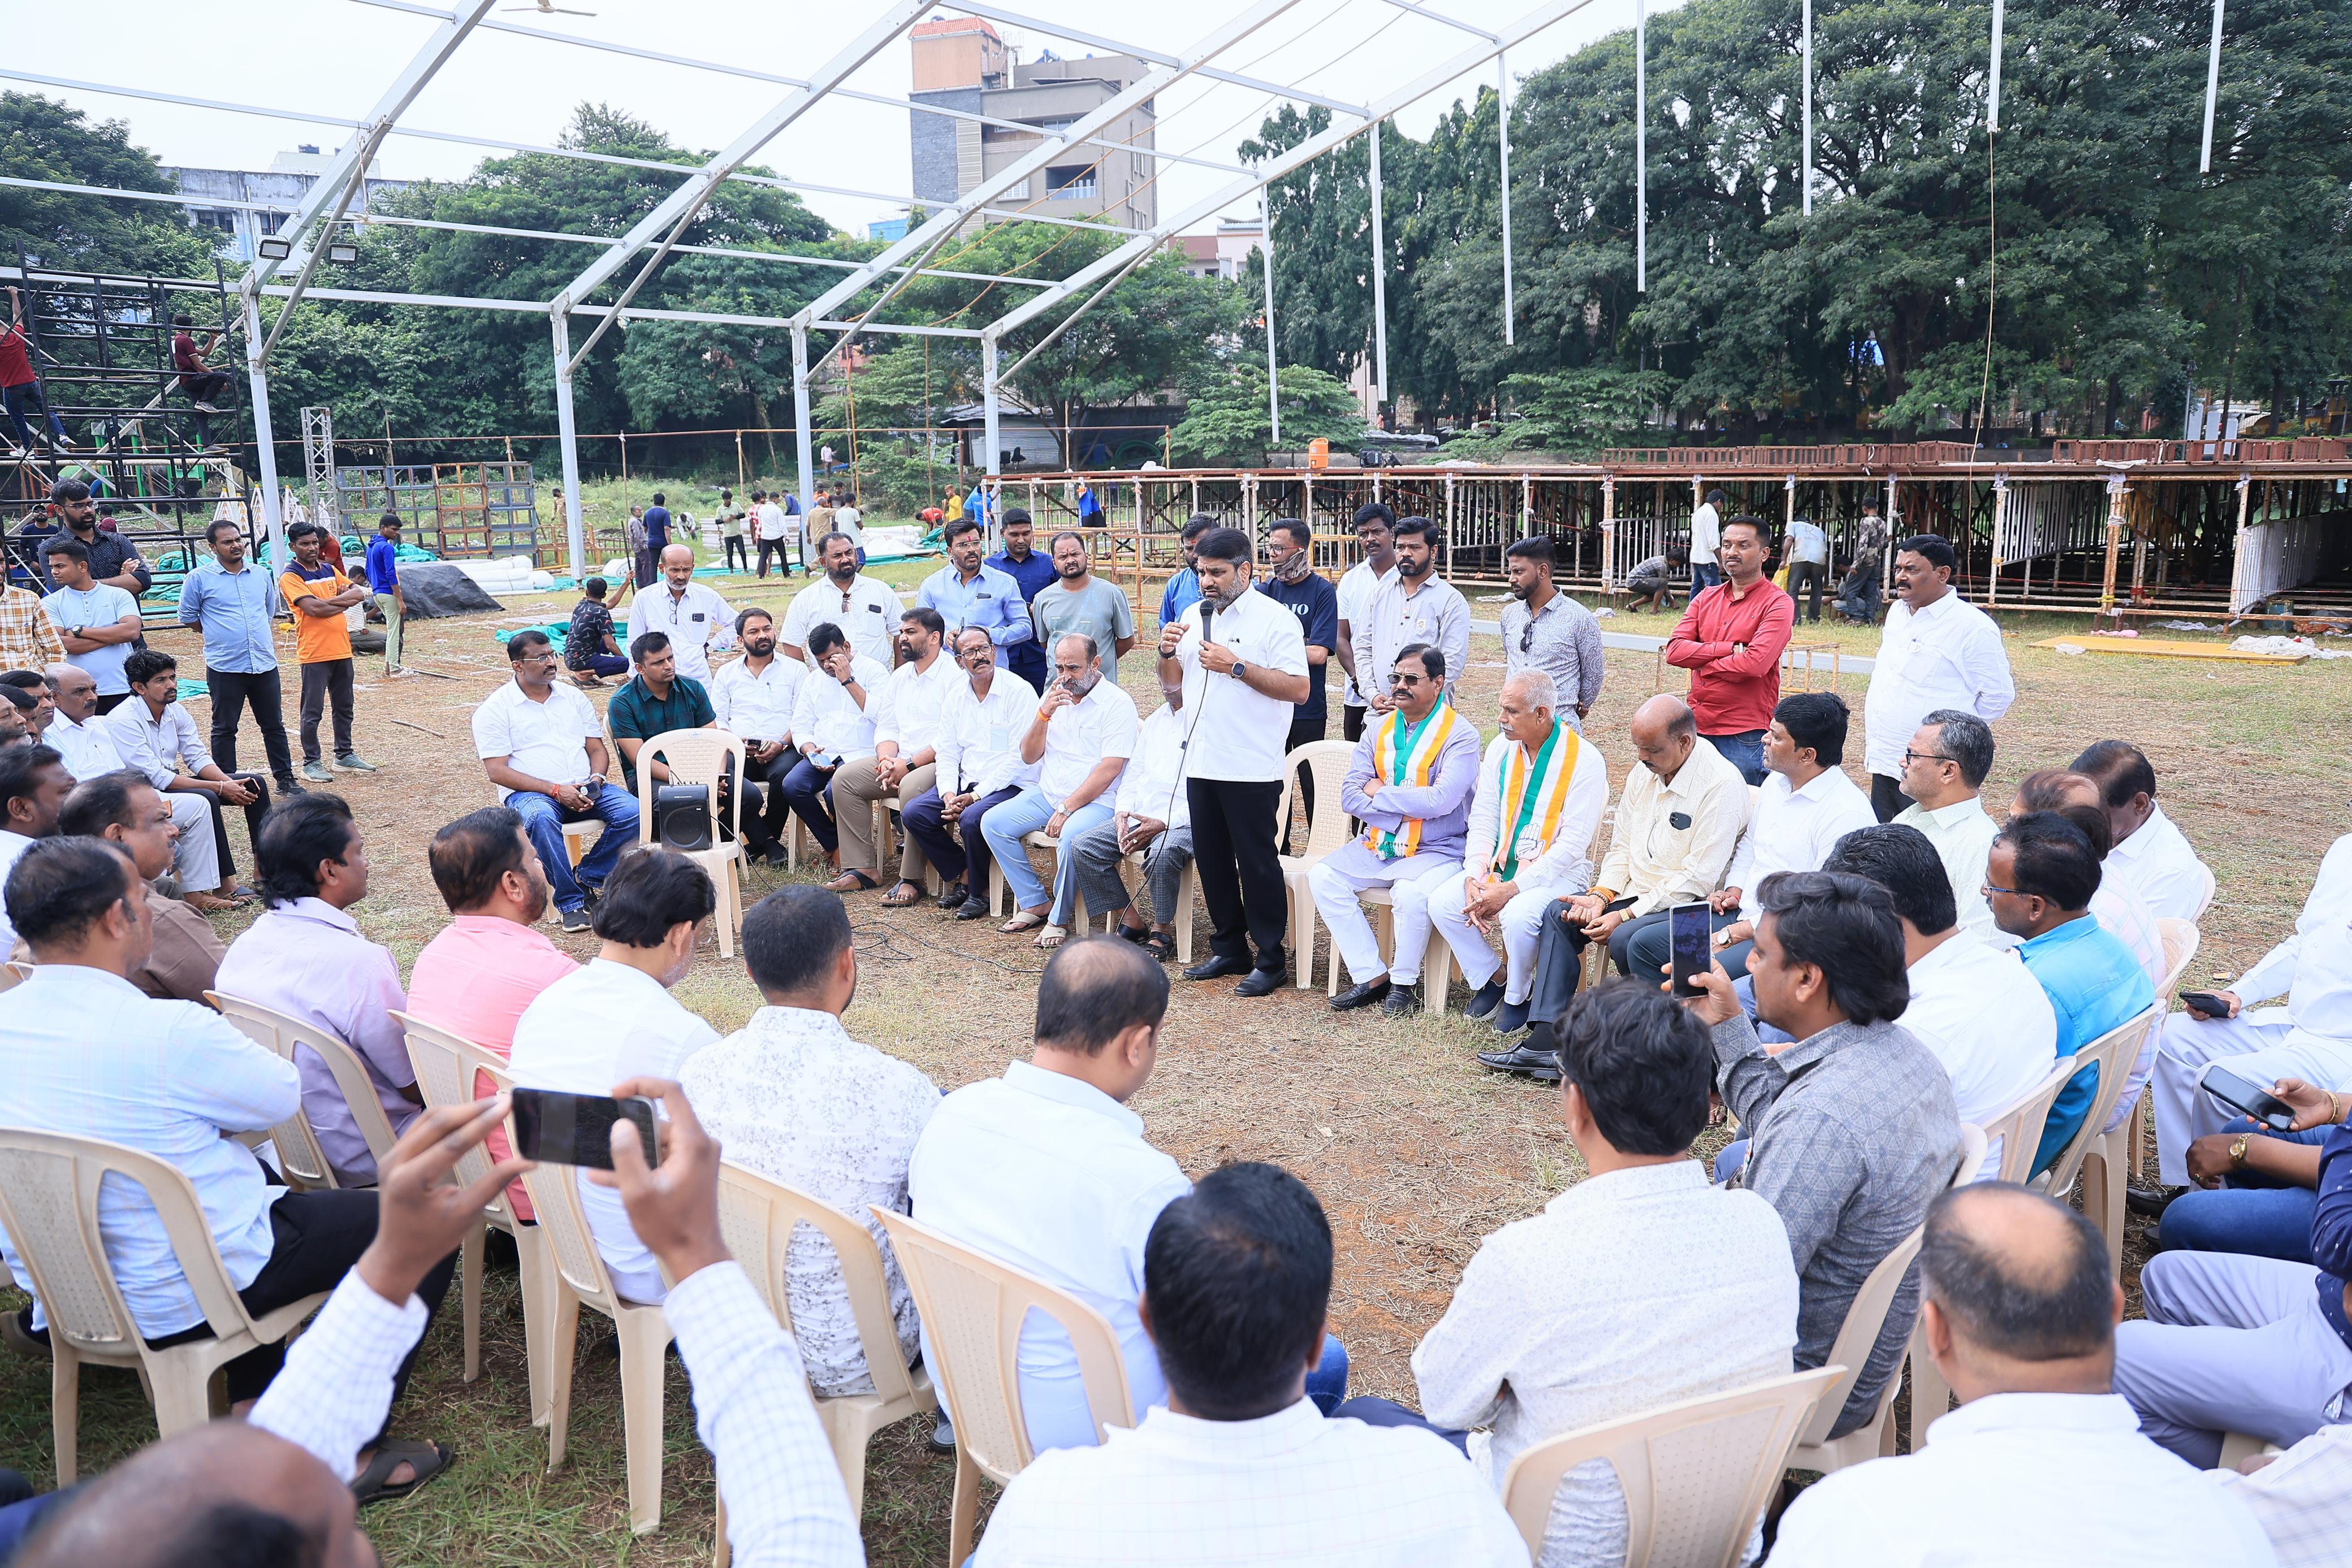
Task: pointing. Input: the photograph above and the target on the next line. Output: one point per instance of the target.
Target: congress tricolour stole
(1535, 793)
(1406, 754)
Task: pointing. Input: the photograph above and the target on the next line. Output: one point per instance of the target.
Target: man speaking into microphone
(1243, 660)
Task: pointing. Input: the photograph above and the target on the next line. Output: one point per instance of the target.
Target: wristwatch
(1241, 671)
(2238, 1146)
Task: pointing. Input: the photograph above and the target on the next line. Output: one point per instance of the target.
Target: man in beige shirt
(125, 807)
(1677, 823)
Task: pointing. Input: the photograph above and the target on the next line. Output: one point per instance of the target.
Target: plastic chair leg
(721, 1554)
(184, 1399)
(2139, 1129)
(2103, 1194)
(965, 1509)
(848, 1434)
(538, 1326)
(1188, 890)
(469, 1280)
(563, 1348)
(65, 1408)
(645, 1337)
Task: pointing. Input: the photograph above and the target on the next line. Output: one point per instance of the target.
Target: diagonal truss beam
(679, 209)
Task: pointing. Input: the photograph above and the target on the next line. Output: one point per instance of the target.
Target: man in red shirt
(1730, 638)
(20, 388)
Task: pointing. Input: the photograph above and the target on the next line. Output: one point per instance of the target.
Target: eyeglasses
(1910, 756)
(1989, 890)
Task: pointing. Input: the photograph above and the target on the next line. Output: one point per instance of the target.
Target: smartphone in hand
(559, 1129)
(1692, 933)
(2249, 1099)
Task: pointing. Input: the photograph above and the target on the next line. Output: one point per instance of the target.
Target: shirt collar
(2143, 837)
(2086, 1413)
(1814, 789)
(1632, 1182)
(498, 928)
(2073, 930)
(319, 910)
(798, 1024)
(1065, 1089)
(1821, 1047)
(1958, 811)
(1286, 1431)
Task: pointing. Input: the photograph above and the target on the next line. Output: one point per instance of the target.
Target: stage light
(343, 253)
(274, 249)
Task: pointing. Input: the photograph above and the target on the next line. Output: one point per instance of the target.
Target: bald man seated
(2042, 1462)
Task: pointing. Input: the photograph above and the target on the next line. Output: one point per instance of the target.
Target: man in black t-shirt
(1292, 580)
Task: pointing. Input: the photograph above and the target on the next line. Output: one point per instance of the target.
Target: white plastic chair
(702, 756)
(2103, 1180)
(579, 1280)
(448, 1070)
(1865, 1319)
(578, 838)
(1696, 1474)
(2205, 902)
(2182, 939)
(1326, 762)
(49, 1206)
(1930, 1394)
(971, 1307)
(300, 1159)
(2019, 1125)
(13, 975)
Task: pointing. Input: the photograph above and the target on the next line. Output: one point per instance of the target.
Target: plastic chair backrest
(2205, 902)
(2114, 1051)
(2181, 938)
(285, 1034)
(448, 1066)
(972, 1306)
(759, 1217)
(555, 1200)
(13, 975)
(1866, 1317)
(693, 756)
(48, 1205)
(1326, 763)
(2019, 1126)
(1973, 1144)
(1696, 1474)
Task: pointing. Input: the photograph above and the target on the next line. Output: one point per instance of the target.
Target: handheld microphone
(1208, 610)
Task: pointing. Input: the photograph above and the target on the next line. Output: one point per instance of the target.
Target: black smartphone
(1692, 932)
(2212, 1004)
(561, 1129)
(2249, 1099)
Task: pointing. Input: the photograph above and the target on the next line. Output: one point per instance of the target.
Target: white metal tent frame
(659, 234)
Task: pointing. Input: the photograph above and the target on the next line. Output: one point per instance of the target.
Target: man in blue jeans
(543, 745)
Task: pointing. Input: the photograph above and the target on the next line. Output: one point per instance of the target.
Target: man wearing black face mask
(753, 698)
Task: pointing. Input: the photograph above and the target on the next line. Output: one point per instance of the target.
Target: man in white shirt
(1416, 605)
(776, 520)
(1975, 1006)
(752, 697)
(1639, 1286)
(2301, 1498)
(1540, 792)
(978, 769)
(692, 615)
(906, 747)
(865, 608)
(1080, 738)
(153, 734)
(2150, 852)
(1242, 658)
(542, 746)
(1153, 815)
(1808, 559)
(305, 957)
(1943, 768)
(1938, 652)
(2042, 1462)
(1804, 806)
(614, 1018)
(1357, 586)
(833, 721)
(79, 733)
(792, 1097)
(2310, 1038)
(34, 785)
(1707, 533)
(1240, 1466)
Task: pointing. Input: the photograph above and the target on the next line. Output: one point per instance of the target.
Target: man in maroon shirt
(20, 387)
(1730, 638)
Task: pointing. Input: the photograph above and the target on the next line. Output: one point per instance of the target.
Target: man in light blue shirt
(2039, 879)
(1183, 589)
(97, 621)
(235, 605)
(967, 593)
(1807, 553)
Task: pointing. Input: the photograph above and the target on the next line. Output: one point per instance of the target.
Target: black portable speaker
(682, 816)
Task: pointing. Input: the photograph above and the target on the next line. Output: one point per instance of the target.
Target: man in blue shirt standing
(1292, 582)
(234, 606)
(2039, 879)
(1020, 561)
(968, 592)
(384, 583)
(1183, 589)
(657, 529)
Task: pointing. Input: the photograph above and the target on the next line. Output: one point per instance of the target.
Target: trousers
(2231, 1344)
(1006, 826)
(2260, 1045)
(765, 827)
(736, 549)
(1098, 859)
(1644, 946)
(1520, 923)
(1338, 885)
(389, 605)
(216, 822)
(1744, 750)
(196, 853)
(783, 549)
(1886, 797)
(328, 680)
(25, 395)
(2249, 1212)
(543, 821)
(966, 861)
(807, 789)
(234, 690)
(1234, 859)
(1808, 575)
(855, 788)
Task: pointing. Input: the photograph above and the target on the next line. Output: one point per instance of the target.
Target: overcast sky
(334, 57)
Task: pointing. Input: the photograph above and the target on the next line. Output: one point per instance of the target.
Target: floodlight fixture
(275, 249)
(343, 252)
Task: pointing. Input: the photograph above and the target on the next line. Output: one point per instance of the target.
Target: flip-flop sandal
(1027, 920)
(1161, 945)
(425, 1461)
(862, 883)
(905, 893)
(1052, 937)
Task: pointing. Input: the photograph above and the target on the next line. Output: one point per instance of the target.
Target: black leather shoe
(1399, 1001)
(1362, 994)
(1260, 983)
(1217, 969)
(1540, 1065)
(1511, 1018)
(974, 909)
(1489, 997)
(952, 896)
(2150, 1202)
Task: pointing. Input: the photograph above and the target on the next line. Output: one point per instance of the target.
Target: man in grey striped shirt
(1544, 629)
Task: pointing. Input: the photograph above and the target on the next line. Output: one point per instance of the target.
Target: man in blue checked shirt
(968, 593)
(234, 606)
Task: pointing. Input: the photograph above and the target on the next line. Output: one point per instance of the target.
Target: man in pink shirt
(490, 961)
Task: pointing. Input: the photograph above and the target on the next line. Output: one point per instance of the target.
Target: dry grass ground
(1415, 1153)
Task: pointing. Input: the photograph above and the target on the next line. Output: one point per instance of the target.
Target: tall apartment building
(962, 64)
(274, 192)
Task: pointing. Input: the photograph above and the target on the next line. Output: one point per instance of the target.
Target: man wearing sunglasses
(1544, 629)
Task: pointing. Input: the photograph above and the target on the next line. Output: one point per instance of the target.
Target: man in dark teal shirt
(655, 701)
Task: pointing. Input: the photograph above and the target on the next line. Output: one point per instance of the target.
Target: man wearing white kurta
(2150, 854)
(2310, 1038)
(1938, 652)
(1408, 784)
(1541, 789)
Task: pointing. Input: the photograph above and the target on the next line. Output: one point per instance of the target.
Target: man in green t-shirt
(1077, 600)
(655, 701)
